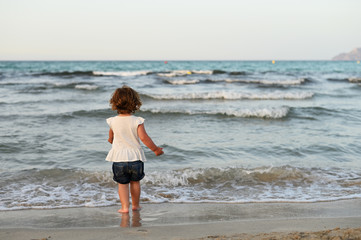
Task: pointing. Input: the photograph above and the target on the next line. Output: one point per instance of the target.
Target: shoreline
(181, 221)
(260, 229)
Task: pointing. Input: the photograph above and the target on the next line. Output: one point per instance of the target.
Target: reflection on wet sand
(135, 219)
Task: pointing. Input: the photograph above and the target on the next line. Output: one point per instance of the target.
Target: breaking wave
(173, 73)
(263, 184)
(270, 82)
(177, 73)
(122, 73)
(235, 96)
(59, 188)
(246, 81)
(182, 81)
(59, 85)
(86, 87)
(65, 73)
(267, 113)
(351, 80)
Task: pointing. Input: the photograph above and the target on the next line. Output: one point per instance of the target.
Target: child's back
(126, 153)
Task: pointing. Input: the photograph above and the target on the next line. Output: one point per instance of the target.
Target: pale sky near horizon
(178, 29)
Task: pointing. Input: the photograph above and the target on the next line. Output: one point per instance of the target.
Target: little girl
(126, 153)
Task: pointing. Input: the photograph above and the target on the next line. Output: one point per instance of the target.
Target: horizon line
(163, 60)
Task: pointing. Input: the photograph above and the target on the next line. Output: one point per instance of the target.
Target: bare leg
(135, 192)
(123, 191)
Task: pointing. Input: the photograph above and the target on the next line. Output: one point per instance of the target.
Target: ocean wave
(98, 113)
(56, 188)
(95, 113)
(310, 113)
(178, 73)
(59, 188)
(182, 81)
(234, 96)
(271, 113)
(59, 85)
(8, 83)
(266, 82)
(351, 80)
(173, 73)
(246, 81)
(320, 112)
(354, 80)
(122, 73)
(265, 113)
(65, 73)
(263, 184)
(86, 87)
(219, 176)
(68, 74)
(337, 79)
(73, 85)
(238, 73)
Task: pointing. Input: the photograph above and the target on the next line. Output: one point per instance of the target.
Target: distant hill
(351, 56)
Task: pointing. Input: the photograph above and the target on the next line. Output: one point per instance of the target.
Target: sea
(232, 131)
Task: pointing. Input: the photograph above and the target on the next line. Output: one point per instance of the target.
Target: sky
(178, 29)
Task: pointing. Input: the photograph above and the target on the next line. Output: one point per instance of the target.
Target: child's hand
(111, 136)
(159, 151)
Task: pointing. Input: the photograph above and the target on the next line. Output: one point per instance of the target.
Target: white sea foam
(59, 84)
(272, 113)
(45, 190)
(269, 82)
(237, 185)
(183, 81)
(122, 73)
(236, 95)
(86, 87)
(206, 72)
(57, 188)
(176, 73)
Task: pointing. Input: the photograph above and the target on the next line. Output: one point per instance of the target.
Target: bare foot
(136, 208)
(123, 210)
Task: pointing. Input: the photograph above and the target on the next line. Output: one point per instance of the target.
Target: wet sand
(189, 221)
(336, 234)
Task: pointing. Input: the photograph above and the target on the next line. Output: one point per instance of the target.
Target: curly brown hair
(125, 100)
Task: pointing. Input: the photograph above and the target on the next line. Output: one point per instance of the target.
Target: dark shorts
(125, 172)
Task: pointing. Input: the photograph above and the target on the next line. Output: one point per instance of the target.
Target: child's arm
(111, 136)
(143, 136)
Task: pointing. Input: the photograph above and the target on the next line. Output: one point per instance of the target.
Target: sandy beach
(190, 221)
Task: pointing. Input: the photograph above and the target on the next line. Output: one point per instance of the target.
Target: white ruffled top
(126, 145)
